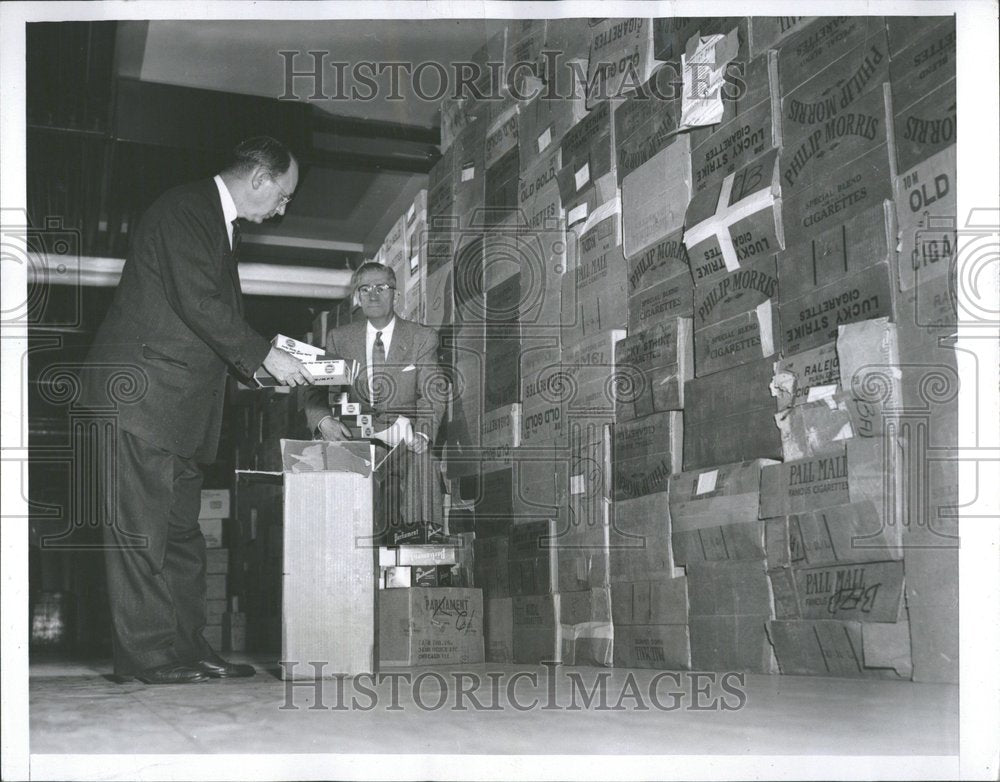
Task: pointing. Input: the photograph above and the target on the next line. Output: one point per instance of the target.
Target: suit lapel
(402, 341)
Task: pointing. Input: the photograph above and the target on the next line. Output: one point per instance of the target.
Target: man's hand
(419, 443)
(333, 430)
(286, 369)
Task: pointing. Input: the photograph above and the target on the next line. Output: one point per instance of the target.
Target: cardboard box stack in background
(682, 314)
(214, 520)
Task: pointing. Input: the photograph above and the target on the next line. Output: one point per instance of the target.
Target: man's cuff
(319, 423)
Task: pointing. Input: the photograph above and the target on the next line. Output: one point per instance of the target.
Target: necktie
(378, 361)
(236, 235)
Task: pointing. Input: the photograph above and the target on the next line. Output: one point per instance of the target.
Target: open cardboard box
(329, 557)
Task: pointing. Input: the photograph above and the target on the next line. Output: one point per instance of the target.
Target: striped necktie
(378, 362)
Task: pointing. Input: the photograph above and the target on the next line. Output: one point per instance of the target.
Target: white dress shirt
(228, 207)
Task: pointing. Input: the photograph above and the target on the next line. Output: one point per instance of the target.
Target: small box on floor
(213, 531)
(215, 504)
(430, 626)
(500, 630)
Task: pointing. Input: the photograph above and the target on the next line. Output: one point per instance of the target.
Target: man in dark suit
(400, 378)
(174, 330)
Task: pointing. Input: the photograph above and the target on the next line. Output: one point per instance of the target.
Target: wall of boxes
(701, 352)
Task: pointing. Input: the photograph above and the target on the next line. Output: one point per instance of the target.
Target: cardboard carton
(501, 136)
(832, 536)
(860, 185)
(820, 426)
(573, 628)
(655, 196)
(730, 146)
(730, 225)
(664, 647)
(926, 63)
(721, 495)
(651, 368)
(430, 626)
(213, 530)
(812, 319)
(730, 414)
(862, 469)
(725, 542)
(841, 648)
(217, 561)
(587, 149)
(647, 121)
(499, 628)
(492, 573)
(639, 539)
(736, 318)
(863, 592)
(669, 298)
(664, 260)
(926, 209)
(824, 144)
(327, 590)
(765, 32)
(870, 371)
(621, 58)
(730, 605)
(542, 396)
(646, 452)
(867, 239)
(836, 101)
(543, 122)
(820, 43)
(215, 504)
(797, 375)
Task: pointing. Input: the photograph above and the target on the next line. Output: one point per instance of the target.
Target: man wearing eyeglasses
(174, 330)
(401, 379)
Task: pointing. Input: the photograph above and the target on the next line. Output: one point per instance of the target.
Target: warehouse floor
(75, 708)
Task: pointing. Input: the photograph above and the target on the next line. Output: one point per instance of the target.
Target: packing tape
(718, 224)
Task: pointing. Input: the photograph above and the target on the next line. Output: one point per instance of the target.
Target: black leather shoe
(171, 673)
(217, 668)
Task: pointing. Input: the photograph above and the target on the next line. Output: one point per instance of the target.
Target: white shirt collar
(228, 206)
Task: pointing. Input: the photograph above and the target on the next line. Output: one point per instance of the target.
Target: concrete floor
(74, 708)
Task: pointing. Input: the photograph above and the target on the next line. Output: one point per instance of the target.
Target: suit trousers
(155, 557)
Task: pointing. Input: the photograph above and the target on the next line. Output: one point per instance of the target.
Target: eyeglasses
(285, 197)
(382, 287)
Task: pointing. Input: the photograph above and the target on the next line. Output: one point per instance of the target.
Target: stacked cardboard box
(718, 538)
(214, 520)
(734, 286)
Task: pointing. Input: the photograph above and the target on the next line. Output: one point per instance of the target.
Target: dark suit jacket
(413, 379)
(176, 323)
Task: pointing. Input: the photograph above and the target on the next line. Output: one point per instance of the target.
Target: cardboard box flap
(321, 456)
